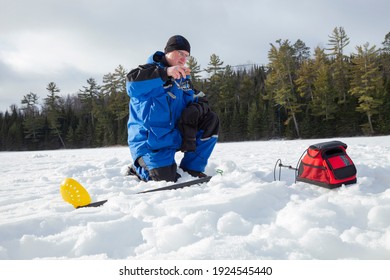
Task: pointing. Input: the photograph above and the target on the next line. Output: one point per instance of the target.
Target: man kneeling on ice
(168, 115)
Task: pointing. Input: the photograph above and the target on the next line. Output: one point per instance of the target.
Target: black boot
(194, 173)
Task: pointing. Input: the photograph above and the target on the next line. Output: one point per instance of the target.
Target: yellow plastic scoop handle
(74, 193)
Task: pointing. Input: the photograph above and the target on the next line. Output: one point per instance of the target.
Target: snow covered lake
(242, 214)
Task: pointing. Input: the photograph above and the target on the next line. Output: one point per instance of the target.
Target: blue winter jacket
(156, 104)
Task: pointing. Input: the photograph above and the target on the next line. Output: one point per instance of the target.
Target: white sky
(67, 42)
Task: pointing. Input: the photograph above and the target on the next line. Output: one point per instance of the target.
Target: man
(168, 115)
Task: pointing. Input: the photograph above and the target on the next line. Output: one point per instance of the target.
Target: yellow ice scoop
(74, 193)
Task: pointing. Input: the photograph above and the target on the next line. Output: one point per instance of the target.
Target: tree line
(298, 94)
(96, 116)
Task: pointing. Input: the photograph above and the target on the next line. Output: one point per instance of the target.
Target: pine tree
(244, 94)
(88, 96)
(52, 108)
(302, 52)
(119, 103)
(386, 43)
(105, 129)
(280, 80)
(367, 83)
(337, 42)
(215, 66)
(323, 101)
(33, 123)
(225, 102)
(195, 69)
(305, 80)
(237, 126)
(305, 88)
(227, 92)
(215, 81)
(254, 121)
(71, 115)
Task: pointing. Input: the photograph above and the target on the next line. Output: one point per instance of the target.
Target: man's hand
(178, 72)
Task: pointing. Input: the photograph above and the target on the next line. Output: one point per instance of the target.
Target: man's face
(177, 57)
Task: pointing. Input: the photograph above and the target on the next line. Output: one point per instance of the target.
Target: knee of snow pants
(197, 160)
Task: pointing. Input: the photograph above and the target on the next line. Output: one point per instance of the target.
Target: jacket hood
(158, 58)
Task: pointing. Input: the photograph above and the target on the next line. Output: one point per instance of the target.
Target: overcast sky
(69, 41)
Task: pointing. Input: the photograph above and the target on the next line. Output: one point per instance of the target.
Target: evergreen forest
(300, 93)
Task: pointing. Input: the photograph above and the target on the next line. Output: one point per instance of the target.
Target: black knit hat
(179, 43)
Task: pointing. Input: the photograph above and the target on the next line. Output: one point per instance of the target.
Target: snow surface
(243, 214)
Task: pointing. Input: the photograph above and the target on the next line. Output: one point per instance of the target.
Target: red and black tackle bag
(327, 165)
